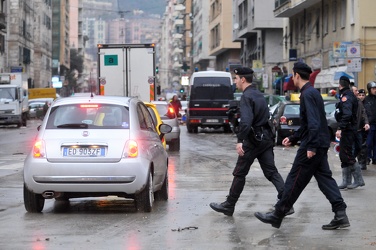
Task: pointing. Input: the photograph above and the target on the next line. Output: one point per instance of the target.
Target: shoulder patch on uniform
(344, 99)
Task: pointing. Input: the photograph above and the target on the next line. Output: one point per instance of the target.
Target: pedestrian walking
(255, 141)
(311, 158)
(362, 157)
(370, 106)
(346, 117)
(362, 125)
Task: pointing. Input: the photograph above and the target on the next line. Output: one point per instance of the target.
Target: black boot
(358, 178)
(226, 207)
(346, 178)
(271, 218)
(340, 221)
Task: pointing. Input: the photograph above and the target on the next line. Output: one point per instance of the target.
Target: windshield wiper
(73, 125)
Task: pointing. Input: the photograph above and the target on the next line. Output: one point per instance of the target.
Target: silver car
(93, 147)
(168, 116)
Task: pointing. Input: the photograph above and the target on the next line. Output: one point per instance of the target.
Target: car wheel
(227, 129)
(189, 128)
(195, 130)
(163, 193)
(145, 199)
(175, 145)
(34, 203)
(24, 120)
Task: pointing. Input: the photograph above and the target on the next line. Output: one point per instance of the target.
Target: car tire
(34, 203)
(174, 145)
(24, 119)
(145, 199)
(162, 195)
(189, 128)
(227, 129)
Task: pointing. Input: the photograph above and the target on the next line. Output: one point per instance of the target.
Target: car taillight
(170, 113)
(283, 120)
(131, 149)
(39, 149)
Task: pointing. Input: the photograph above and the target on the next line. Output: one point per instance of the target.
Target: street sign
(353, 51)
(354, 65)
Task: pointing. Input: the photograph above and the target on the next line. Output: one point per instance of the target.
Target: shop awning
(328, 78)
(289, 83)
(312, 77)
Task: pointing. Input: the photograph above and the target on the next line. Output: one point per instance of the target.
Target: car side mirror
(164, 129)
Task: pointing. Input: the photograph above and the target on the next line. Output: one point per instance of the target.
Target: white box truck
(14, 106)
(127, 70)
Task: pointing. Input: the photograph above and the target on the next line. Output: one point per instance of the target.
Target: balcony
(289, 8)
(3, 23)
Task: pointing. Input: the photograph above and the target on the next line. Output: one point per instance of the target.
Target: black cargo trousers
(262, 151)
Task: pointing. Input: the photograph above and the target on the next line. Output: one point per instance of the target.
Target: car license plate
(84, 151)
(212, 120)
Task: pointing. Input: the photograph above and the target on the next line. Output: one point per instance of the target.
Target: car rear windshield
(88, 115)
(293, 109)
(211, 88)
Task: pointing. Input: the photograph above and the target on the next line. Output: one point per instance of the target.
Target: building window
(334, 15)
(343, 13)
(309, 25)
(325, 20)
(352, 19)
(318, 12)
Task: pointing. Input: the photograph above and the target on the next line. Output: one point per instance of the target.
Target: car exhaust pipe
(50, 195)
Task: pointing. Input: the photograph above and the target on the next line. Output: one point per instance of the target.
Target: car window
(153, 115)
(211, 88)
(330, 107)
(291, 110)
(96, 116)
(146, 121)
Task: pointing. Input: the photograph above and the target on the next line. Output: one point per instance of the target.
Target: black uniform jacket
(254, 112)
(370, 106)
(313, 132)
(347, 109)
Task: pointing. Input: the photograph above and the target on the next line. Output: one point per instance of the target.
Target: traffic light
(182, 90)
(156, 70)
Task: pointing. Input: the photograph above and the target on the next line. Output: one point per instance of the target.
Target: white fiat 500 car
(97, 146)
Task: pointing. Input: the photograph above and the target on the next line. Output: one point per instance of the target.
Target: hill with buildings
(149, 7)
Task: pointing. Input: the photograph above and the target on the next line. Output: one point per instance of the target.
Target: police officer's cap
(362, 91)
(243, 71)
(302, 67)
(344, 81)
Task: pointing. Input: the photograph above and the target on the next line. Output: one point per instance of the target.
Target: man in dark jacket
(255, 141)
(370, 106)
(346, 116)
(311, 158)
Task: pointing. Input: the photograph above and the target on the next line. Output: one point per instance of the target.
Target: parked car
(35, 110)
(286, 119)
(330, 108)
(156, 119)
(94, 147)
(168, 116)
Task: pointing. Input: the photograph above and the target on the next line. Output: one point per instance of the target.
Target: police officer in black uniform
(311, 158)
(255, 141)
(346, 116)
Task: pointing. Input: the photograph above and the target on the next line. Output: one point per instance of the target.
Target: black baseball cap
(243, 71)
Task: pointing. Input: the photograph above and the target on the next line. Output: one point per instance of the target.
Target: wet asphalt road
(199, 174)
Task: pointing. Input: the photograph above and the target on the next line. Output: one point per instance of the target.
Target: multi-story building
(335, 36)
(20, 37)
(42, 57)
(261, 36)
(3, 33)
(221, 45)
(60, 38)
(200, 32)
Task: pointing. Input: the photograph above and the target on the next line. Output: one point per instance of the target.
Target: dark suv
(210, 93)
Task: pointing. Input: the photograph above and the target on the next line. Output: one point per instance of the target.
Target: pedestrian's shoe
(340, 221)
(368, 161)
(225, 207)
(270, 218)
(346, 178)
(291, 211)
(358, 178)
(363, 166)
